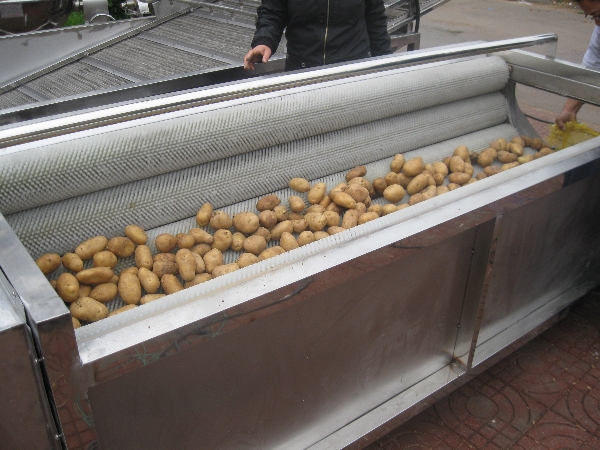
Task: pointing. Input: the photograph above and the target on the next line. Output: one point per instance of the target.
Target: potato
(518, 140)
(442, 190)
(452, 186)
(299, 185)
(281, 212)
(90, 247)
(335, 230)
(363, 182)
(536, 144)
(377, 209)
(297, 205)
(361, 208)
(388, 209)
(463, 152)
(429, 192)
(271, 252)
(306, 237)
(104, 292)
(198, 279)
(72, 262)
(491, 170)
(88, 309)
(314, 209)
(335, 208)
(84, 290)
(212, 259)
(397, 163)
(473, 157)
(499, 145)
(201, 236)
(267, 202)
(367, 217)
(48, 263)
(170, 284)
(392, 178)
(516, 149)
(316, 221)
(509, 166)
(321, 235)
(185, 241)
(288, 241)
(379, 185)
(150, 298)
(325, 201)
(223, 239)
(459, 178)
(332, 219)
(165, 242)
(506, 157)
(521, 160)
(130, 288)
(204, 214)
(200, 249)
(316, 193)
(199, 263)
(247, 259)
(344, 200)
(136, 234)
(418, 183)
(357, 192)
(149, 280)
(546, 151)
(169, 257)
(446, 161)
(186, 263)
(457, 164)
(262, 231)
(492, 151)
(115, 278)
(76, 322)
(417, 198)
(394, 193)
(237, 242)
(121, 310)
(469, 170)
(95, 275)
(278, 229)
(104, 258)
(224, 269)
(246, 222)
(339, 188)
(350, 218)
(121, 246)
(162, 267)
(358, 171)
(67, 287)
(301, 225)
(440, 167)
(439, 178)
(267, 219)
(413, 167)
(485, 159)
(220, 220)
(481, 176)
(143, 257)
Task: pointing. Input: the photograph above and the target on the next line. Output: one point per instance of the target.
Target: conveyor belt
(194, 42)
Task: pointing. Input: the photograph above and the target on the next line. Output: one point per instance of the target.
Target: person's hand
(568, 113)
(564, 117)
(257, 54)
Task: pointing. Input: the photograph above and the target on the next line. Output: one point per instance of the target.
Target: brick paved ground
(546, 395)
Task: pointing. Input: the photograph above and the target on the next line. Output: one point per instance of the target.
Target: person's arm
(568, 113)
(377, 27)
(272, 19)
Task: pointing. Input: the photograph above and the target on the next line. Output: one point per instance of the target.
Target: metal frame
(94, 375)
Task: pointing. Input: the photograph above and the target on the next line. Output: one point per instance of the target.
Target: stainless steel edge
(417, 218)
(22, 132)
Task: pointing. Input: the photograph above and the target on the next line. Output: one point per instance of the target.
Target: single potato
(67, 287)
(122, 247)
(204, 214)
(299, 185)
(136, 234)
(88, 309)
(72, 262)
(90, 247)
(130, 288)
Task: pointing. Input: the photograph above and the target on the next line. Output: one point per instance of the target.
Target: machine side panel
(545, 248)
(291, 378)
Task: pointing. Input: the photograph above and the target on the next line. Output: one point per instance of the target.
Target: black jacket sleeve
(272, 20)
(377, 27)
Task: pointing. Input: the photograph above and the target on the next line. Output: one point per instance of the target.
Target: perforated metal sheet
(60, 226)
(74, 79)
(153, 60)
(58, 168)
(219, 36)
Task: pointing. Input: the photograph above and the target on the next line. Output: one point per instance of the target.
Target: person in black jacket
(319, 31)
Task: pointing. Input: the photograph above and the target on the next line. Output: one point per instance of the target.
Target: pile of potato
(188, 259)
